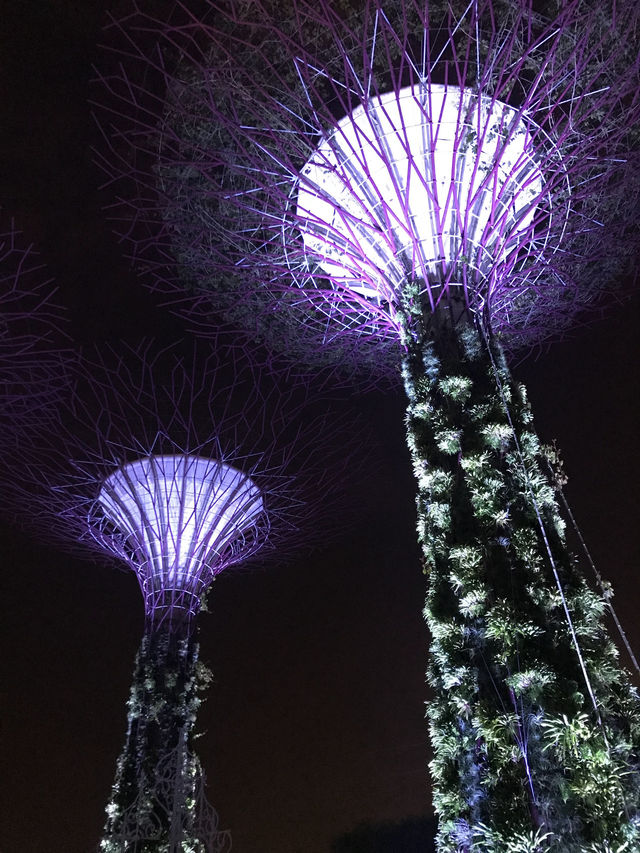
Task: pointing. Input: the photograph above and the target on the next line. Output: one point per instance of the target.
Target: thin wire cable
(521, 724)
(520, 738)
(545, 539)
(605, 593)
(550, 554)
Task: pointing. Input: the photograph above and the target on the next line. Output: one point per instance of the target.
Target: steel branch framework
(182, 519)
(31, 332)
(178, 464)
(432, 181)
(480, 148)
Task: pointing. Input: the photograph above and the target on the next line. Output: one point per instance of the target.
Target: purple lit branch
(482, 151)
(179, 465)
(30, 329)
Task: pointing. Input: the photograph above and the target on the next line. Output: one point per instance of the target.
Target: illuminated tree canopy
(223, 126)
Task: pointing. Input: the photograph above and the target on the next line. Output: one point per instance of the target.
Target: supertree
(180, 466)
(428, 185)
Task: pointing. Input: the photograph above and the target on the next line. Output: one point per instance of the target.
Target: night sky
(314, 723)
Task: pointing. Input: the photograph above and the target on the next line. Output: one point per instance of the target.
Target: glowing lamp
(182, 520)
(415, 182)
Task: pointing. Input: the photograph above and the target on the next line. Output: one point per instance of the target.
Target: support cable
(550, 554)
(545, 539)
(606, 594)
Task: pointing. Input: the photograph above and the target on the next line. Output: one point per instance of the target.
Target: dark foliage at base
(158, 803)
(413, 835)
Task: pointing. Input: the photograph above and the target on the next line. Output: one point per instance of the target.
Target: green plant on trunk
(533, 722)
(157, 803)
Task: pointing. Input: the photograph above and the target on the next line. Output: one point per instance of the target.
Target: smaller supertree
(180, 467)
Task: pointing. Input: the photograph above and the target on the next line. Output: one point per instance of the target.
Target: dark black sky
(315, 720)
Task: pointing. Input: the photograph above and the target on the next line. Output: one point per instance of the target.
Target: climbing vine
(157, 803)
(535, 727)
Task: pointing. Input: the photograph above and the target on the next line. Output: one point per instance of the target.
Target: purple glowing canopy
(178, 521)
(180, 462)
(431, 183)
(315, 162)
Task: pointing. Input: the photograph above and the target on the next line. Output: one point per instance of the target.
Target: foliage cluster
(157, 803)
(533, 753)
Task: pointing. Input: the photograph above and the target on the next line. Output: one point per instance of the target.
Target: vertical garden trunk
(534, 726)
(157, 798)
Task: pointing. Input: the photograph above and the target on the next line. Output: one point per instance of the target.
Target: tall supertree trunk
(533, 722)
(158, 803)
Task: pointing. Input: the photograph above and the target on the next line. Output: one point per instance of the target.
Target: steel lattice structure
(169, 774)
(426, 183)
(182, 519)
(179, 464)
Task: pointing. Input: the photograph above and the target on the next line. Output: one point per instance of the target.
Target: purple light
(29, 319)
(316, 177)
(31, 337)
(180, 463)
(179, 521)
(430, 183)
